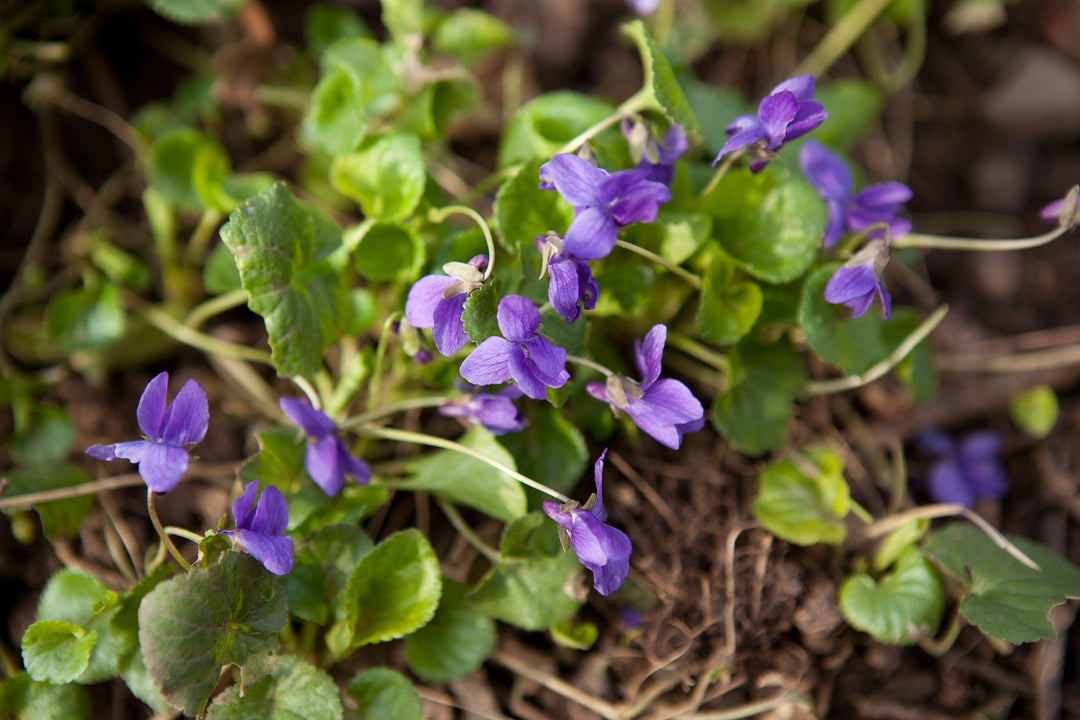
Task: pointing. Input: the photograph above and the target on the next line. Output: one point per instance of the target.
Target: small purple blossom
(572, 282)
(601, 548)
(657, 159)
(260, 530)
(437, 301)
(848, 210)
(966, 473)
(1064, 212)
(643, 7)
(327, 460)
(162, 457)
(663, 408)
(521, 355)
(855, 282)
(495, 411)
(602, 201)
(786, 113)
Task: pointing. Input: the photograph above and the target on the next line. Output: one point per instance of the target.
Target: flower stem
(165, 539)
(375, 383)
(215, 306)
(467, 532)
(438, 442)
(641, 100)
(694, 280)
(590, 364)
(720, 172)
(393, 408)
(169, 325)
(184, 533)
(694, 349)
(843, 35)
(943, 242)
(825, 387)
(440, 214)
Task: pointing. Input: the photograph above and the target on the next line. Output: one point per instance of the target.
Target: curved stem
(165, 539)
(201, 341)
(201, 236)
(438, 442)
(944, 242)
(721, 172)
(641, 100)
(843, 35)
(824, 387)
(442, 213)
(184, 533)
(393, 408)
(375, 383)
(590, 364)
(696, 350)
(694, 280)
(467, 532)
(215, 306)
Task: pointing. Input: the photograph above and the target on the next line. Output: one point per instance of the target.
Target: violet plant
(597, 235)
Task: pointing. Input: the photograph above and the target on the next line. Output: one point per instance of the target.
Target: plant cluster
(728, 248)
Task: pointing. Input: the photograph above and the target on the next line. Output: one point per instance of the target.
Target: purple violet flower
(848, 210)
(786, 113)
(327, 459)
(968, 473)
(643, 7)
(260, 530)
(437, 301)
(495, 411)
(1064, 212)
(162, 457)
(603, 202)
(855, 282)
(655, 158)
(663, 408)
(521, 355)
(572, 281)
(599, 547)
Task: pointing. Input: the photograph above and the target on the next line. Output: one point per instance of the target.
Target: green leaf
(46, 439)
(675, 236)
(467, 481)
(770, 223)
(543, 125)
(393, 590)
(56, 652)
(386, 251)
(86, 318)
(219, 273)
(804, 502)
(577, 636)
(187, 169)
(382, 694)
(125, 632)
(192, 625)
(28, 699)
(523, 210)
(529, 594)
(59, 518)
(660, 81)
(196, 12)
(325, 24)
(456, 641)
(82, 600)
(280, 460)
(468, 34)
(1035, 411)
(293, 690)
(323, 564)
(853, 106)
(403, 17)
(549, 448)
(852, 344)
(480, 313)
(901, 608)
(1005, 598)
(310, 508)
(285, 252)
(916, 370)
(386, 176)
(730, 305)
(625, 285)
(755, 410)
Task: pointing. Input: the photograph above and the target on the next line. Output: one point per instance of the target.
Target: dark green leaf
(771, 223)
(219, 273)
(382, 694)
(394, 590)
(125, 632)
(293, 690)
(523, 211)
(529, 594)
(544, 124)
(901, 608)
(46, 440)
(624, 287)
(480, 314)
(730, 304)
(320, 574)
(852, 344)
(467, 481)
(27, 699)
(187, 168)
(55, 651)
(196, 12)
(386, 250)
(86, 318)
(805, 501)
(755, 410)
(289, 257)
(660, 79)
(1005, 598)
(456, 641)
(192, 625)
(386, 177)
(280, 460)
